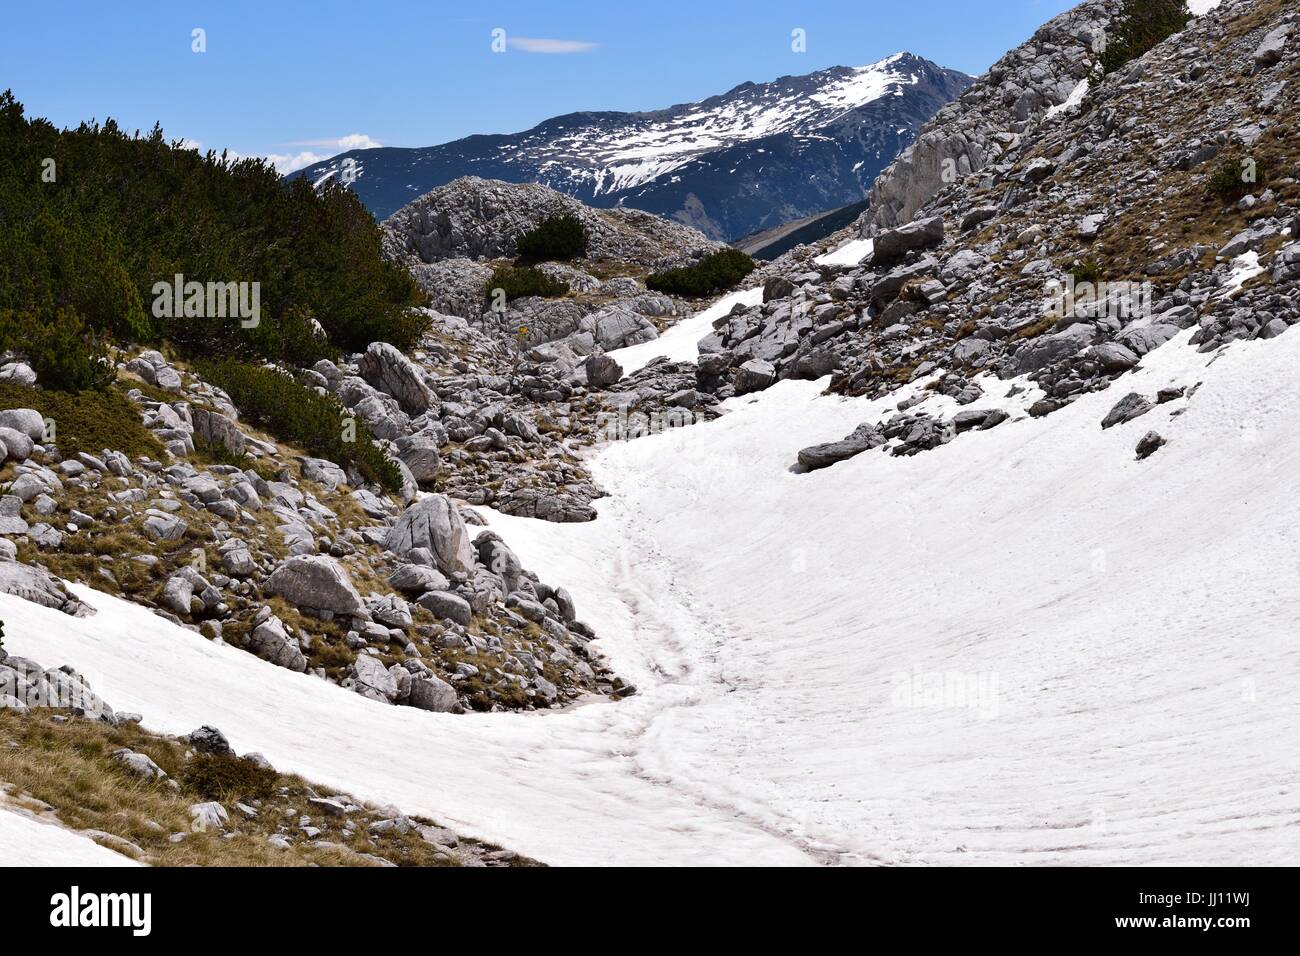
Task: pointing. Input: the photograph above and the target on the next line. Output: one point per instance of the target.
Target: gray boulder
(1129, 407)
(371, 679)
(218, 429)
(863, 438)
(270, 641)
(25, 420)
(315, 582)
(754, 376)
(448, 606)
(388, 370)
(891, 245)
(417, 578)
(434, 523)
(31, 582)
(432, 693)
(602, 371)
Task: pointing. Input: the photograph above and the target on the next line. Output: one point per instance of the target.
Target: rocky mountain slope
(1029, 397)
(303, 561)
(754, 157)
(1114, 212)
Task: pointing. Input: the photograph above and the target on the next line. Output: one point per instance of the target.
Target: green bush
(1229, 181)
(228, 778)
(115, 214)
(518, 282)
(716, 272)
(269, 398)
(1086, 271)
(1139, 26)
(65, 353)
(88, 421)
(560, 238)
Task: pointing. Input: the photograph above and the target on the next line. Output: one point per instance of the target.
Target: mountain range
(755, 157)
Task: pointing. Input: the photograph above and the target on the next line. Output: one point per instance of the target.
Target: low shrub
(1139, 26)
(228, 778)
(559, 238)
(1229, 182)
(1087, 270)
(716, 272)
(518, 282)
(271, 399)
(88, 421)
(65, 354)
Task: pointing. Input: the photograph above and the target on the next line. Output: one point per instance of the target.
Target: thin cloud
(536, 45)
(351, 141)
(286, 163)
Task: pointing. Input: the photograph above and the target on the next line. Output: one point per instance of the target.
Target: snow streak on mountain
(754, 157)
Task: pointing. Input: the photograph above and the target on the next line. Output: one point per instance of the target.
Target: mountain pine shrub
(93, 217)
(558, 238)
(716, 272)
(518, 282)
(1228, 182)
(1139, 26)
(271, 399)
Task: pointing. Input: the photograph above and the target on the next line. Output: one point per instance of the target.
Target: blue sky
(300, 80)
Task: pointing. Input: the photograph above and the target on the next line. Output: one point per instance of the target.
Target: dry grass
(67, 766)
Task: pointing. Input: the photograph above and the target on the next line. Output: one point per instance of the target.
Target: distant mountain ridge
(750, 159)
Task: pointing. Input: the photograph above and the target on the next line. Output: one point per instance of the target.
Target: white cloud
(286, 163)
(359, 141)
(535, 45)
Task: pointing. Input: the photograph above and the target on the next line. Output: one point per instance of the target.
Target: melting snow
(1071, 102)
(849, 254)
(25, 841)
(680, 343)
(1024, 647)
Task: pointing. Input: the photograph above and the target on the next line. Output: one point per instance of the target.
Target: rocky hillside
(175, 493)
(754, 157)
(1115, 212)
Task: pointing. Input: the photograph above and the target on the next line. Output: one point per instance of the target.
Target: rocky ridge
(1101, 228)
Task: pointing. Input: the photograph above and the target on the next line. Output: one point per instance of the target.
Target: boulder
(31, 582)
(371, 679)
(1272, 46)
(754, 376)
(1148, 444)
(218, 429)
(140, 764)
(417, 578)
(18, 445)
(1126, 409)
(420, 454)
(447, 605)
(602, 371)
(777, 287)
(891, 245)
(209, 740)
(270, 641)
(26, 420)
(388, 370)
(315, 582)
(863, 438)
(434, 523)
(432, 693)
